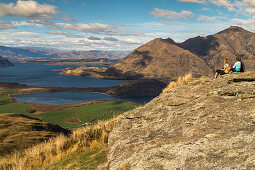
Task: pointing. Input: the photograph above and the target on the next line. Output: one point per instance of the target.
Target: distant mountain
(5, 62)
(22, 53)
(165, 59)
(229, 43)
(161, 59)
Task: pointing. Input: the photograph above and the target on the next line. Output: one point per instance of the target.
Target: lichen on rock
(205, 124)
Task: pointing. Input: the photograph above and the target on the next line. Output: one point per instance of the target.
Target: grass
(7, 107)
(81, 160)
(180, 81)
(72, 117)
(85, 144)
(76, 116)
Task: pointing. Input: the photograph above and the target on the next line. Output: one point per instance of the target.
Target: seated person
(238, 66)
(224, 70)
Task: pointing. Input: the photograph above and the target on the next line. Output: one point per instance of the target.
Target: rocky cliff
(5, 62)
(204, 124)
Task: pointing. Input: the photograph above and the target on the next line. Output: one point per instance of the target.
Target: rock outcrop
(4, 62)
(20, 131)
(205, 124)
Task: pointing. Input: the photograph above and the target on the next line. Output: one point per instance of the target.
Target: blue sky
(116, 25)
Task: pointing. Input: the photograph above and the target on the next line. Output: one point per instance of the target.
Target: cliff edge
(204, 124)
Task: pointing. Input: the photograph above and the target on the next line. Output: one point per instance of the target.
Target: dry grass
(180, 81)
(87, 138)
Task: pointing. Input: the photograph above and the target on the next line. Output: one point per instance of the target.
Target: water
(59, 98)
(36, 74)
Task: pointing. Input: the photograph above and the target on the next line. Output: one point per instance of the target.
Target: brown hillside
(229, 43)
(204, 124)
(161, 59)
(19, 131)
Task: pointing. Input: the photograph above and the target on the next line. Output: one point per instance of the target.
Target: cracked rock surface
(205, 124)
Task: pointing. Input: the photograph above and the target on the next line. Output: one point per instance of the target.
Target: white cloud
(194, 1)
(171, 14)
(6, 25)
(248, 24)
(206, 18)
(225, 3)
(29, 9)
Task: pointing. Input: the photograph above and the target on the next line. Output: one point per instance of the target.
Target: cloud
(206, 18)
(225, 3)
(246, 24)
(28, 9)
(174, 23)
(6, 25)
(171, 14)
(94, 38)
(95, 28)
(194, 1)
(110, 39)
(84, 4)
(67, 34)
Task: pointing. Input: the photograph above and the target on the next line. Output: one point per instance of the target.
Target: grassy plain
(70, 117)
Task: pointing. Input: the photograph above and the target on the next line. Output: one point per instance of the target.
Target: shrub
(180, 81)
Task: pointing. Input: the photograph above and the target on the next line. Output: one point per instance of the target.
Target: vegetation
(6, 106)
(76, 116)
(180, 81)
(84, 143)
(72, 117)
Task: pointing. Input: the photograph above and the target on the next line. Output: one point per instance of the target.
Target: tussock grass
(86, 138)
(180, 81)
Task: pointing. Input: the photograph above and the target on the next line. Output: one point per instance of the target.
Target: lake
(39, 75)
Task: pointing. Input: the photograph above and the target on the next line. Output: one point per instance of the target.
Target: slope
(205, 124)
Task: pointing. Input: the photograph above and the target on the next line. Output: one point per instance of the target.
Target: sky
(116, 25)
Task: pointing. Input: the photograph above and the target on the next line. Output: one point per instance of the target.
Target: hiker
(224, 70)
(238, 66)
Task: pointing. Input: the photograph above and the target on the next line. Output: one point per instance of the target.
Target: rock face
(5, 62)
(205, 124)
(20, 131)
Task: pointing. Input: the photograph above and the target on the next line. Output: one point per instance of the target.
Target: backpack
(242, 67)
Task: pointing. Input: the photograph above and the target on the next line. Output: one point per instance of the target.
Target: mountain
(5, 62)
(33, 53)
(165, 59)
(161, 59)
(203, 124)
(229, 43)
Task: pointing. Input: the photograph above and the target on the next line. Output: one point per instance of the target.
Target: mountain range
(19, 54)
(166, 59)
(4, 62)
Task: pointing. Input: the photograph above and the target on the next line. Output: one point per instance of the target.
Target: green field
(71, 117)
(7, 107)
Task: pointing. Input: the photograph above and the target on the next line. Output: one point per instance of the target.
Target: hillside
(204, 124)
(4, 62)
(164, 59)
(161, 59)
(19, 131)
(229, 43)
